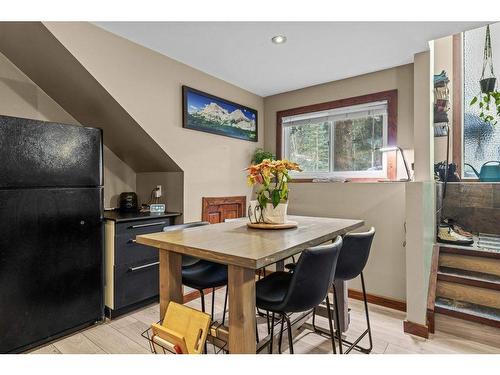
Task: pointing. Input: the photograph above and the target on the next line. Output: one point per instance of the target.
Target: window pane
(356, 142)
(309, 145)
(481, 140)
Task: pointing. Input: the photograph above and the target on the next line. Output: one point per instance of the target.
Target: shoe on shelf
(446, 234)
(458, 228)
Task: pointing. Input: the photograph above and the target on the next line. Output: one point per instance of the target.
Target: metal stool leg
(281, 333)
(202, 295)
(213, 303)
(354, 345)
(330, 323)
(289, 327)
(272, 334)
(337, 318)
(369, 349)
(225, 307)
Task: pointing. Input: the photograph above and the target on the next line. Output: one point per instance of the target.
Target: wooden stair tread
(467, 277)
(472, 250)
(468, 311)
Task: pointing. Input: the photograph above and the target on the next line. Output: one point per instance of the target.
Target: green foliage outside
(356, 143)
(221, 127)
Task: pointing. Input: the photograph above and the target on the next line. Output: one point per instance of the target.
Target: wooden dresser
(131, 269)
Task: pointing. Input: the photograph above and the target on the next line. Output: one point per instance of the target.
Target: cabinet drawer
(127, 251)
(135, 283)
(142, 226)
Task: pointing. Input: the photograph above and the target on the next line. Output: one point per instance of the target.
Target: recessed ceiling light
(278, 39)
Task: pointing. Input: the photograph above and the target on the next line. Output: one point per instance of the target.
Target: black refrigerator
(51, 231)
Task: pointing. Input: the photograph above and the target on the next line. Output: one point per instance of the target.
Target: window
(481, 141)
(342, 138)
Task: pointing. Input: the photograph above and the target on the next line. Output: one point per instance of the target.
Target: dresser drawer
(127, 251)
(135, 283)
(134, 228)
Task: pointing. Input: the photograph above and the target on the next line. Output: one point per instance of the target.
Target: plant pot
(488, 85)
(269, 215)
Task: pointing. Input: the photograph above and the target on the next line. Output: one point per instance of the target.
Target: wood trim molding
(416, 329)
(431, 293)
(457, 103)
(378, 300)
(392, 121)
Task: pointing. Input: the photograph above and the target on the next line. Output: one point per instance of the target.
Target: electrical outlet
(158, 191)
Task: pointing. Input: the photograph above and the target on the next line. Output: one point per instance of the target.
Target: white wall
(420, 197)
(21, 97)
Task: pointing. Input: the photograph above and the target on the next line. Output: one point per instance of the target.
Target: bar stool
(352, 260)
(201, 274)
(284, 293)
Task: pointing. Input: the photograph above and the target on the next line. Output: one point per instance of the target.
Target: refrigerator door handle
(133, 269)
(147, 225)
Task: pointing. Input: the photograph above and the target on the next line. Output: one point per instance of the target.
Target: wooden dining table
(244, 250)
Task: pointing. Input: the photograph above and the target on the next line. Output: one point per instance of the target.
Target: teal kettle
(490, 171)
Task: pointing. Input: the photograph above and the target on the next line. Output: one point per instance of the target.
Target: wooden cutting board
(287, 225)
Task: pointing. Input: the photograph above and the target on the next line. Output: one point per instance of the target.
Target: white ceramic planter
(270, 215)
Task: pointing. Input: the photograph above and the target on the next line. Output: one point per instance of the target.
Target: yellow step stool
(184, 330)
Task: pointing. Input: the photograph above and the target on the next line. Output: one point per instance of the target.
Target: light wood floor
(123, 335)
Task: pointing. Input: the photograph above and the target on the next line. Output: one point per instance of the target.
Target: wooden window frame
(391, 96)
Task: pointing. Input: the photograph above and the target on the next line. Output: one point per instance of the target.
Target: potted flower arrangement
(272, 177)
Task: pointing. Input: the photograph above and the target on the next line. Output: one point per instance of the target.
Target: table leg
(170, 279)
(341, 288)
(280, 265)
(241, 284)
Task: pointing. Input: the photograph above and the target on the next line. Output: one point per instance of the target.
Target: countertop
(121, 217)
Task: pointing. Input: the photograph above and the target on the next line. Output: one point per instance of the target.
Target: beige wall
(20, 97)
(381, 205)
(118, 178)
(148, 86)
(400, 78)
(172, 184)
(443, 60)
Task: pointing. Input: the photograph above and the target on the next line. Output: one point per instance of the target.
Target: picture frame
(211, 114)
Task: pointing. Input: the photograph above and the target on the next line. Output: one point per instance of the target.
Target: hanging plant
(489, 98)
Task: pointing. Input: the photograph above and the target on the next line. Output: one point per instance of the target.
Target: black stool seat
(204, 274)
(201, 274)
(285, 293)
(271, 290)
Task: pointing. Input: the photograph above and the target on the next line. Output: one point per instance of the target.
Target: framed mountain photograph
(211, 114)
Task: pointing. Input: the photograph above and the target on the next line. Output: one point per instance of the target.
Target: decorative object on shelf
(490, 171)
(272, 197)
(489, 97)
(441, 104)
(211, 114)
(397, 148)
(260, 155)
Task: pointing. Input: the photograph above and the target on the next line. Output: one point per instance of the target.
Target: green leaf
(276, 197)
(481, 104)
(262, 199)
(473, 101)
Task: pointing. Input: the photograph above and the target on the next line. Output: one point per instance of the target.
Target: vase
(487, 84)
(269, 215)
